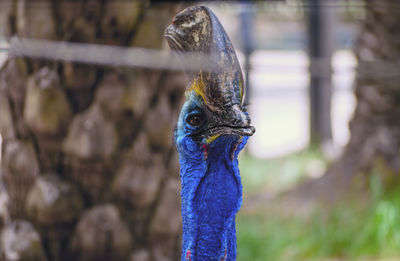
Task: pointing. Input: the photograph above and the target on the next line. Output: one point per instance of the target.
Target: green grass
(350, 231)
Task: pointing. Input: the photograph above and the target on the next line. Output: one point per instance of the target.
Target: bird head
(214, 96)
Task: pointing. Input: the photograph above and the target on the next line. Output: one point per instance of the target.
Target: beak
(221, 92)
(234, 121)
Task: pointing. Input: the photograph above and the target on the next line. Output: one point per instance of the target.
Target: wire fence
(134, 57)
(109, 55)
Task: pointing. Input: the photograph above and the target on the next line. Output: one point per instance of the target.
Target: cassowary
(213, 127)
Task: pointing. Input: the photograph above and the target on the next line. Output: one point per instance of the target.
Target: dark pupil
(195, 120)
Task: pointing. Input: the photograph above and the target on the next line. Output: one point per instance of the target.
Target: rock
(52, 201)
(46, 110)
(91, 136)
(21, 242)
(101, 234)
(35, 22)
(20, 168)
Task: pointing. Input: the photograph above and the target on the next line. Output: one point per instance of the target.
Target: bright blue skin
(211, 190)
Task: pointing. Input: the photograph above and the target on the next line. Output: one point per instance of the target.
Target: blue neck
(211, 196)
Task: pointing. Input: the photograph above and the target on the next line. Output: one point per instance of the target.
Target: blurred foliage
(279, 174)
(360, 227)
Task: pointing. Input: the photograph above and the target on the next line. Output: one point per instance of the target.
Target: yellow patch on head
(212, 138)
(198, 87)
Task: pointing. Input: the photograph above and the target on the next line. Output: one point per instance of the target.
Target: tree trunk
(88, 162)
(375, 127)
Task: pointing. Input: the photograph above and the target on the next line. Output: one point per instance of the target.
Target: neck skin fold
(211, 196)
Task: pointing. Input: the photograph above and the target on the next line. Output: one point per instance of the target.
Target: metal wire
(289, 3)
(162, 59)
(109, 55)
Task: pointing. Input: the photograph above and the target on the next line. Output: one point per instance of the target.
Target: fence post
(247, 42)
(320, 46)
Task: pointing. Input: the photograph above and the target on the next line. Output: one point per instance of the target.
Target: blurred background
(89, 100)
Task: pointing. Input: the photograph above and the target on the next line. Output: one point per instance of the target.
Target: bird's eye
(195, 120)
